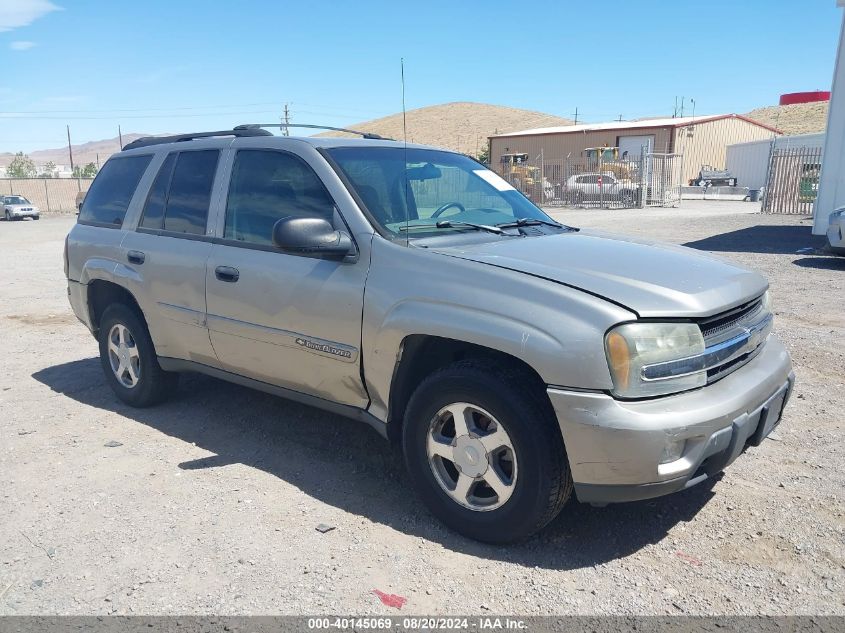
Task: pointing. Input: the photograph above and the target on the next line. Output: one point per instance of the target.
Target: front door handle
(136, 257)
(227, 273)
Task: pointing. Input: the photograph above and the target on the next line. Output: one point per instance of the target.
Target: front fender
(556, 330)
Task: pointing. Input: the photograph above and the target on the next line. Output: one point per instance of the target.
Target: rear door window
(153, 217)
(186, 210)
(111, 192)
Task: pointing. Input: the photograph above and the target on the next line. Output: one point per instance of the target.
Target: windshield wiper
(530, 222)
(448, 224)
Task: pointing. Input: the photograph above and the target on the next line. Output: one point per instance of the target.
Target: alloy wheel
(472, 456)
(123, 356)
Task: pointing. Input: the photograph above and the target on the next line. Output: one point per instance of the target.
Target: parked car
(593, 187)
(17, 207)
(836, 232)
(518, 362)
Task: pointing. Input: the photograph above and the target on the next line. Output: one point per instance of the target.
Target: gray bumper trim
(723, 448)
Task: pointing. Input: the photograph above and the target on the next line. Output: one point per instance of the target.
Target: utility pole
(120, 136)
(286, 119)
(69, 150)
(620, 117)
(575, 114)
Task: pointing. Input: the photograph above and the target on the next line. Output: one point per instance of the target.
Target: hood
(651, 278)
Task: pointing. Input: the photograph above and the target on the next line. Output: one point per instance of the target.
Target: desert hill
(460, 126)
(801, 118)
(83, 153)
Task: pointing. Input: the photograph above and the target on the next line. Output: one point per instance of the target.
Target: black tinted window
(267, 186)
(190, 192)
(154, 209)
(110, 193)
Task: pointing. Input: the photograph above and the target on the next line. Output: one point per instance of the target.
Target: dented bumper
(615, 448)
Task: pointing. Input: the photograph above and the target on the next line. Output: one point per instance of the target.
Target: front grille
(727, 325)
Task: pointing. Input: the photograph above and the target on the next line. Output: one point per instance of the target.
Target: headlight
(767, 302)
(633, 346)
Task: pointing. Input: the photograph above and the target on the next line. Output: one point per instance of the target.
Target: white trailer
(829, 211)
(749, 162)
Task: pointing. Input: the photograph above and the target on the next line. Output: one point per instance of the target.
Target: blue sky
(178, 65)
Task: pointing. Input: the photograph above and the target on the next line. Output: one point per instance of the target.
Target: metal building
(701, 140)
(749, 162)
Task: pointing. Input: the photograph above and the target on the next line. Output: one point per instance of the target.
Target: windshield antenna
(405, 141)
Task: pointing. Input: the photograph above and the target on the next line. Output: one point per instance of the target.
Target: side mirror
(311, 236)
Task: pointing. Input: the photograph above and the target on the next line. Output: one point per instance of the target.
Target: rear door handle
(136, 257)
(227, 273)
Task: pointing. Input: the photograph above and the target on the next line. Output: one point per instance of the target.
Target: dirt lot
(209, 503)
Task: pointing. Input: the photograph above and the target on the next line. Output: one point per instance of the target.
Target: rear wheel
(484, 452)
(626, 196)
(129, 360)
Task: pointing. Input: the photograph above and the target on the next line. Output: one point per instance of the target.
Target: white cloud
(21, 46)
(17, 13)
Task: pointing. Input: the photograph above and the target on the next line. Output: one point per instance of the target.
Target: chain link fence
(599, 179)
(51, 195)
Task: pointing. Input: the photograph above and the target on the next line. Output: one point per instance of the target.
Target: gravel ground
(209, 503)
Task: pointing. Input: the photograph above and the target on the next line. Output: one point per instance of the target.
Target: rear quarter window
(111, 192)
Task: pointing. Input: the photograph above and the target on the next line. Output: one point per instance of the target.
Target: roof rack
(176, 138)
(257, 126)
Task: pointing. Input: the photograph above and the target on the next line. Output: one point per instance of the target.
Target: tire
(540, 479)
(626, 197)
(151, 383)
(8, 217)
(36, 217)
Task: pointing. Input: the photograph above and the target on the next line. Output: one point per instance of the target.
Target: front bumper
(836, 232)
(20, 213)
(615, 447)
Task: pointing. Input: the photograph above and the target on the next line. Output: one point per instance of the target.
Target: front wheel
(129, 360)
(8, 216)
(484, 452)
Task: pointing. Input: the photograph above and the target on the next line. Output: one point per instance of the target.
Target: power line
(7, 116)
(238, 114)
(199, 107)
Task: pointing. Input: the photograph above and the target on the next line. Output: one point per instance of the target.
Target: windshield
(433, 186)
(16, 200)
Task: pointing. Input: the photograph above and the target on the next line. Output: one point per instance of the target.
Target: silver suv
(17, 207)
(514, 359)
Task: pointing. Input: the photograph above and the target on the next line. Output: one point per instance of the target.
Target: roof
(812, 139)
(670, 122)
(224, 139)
